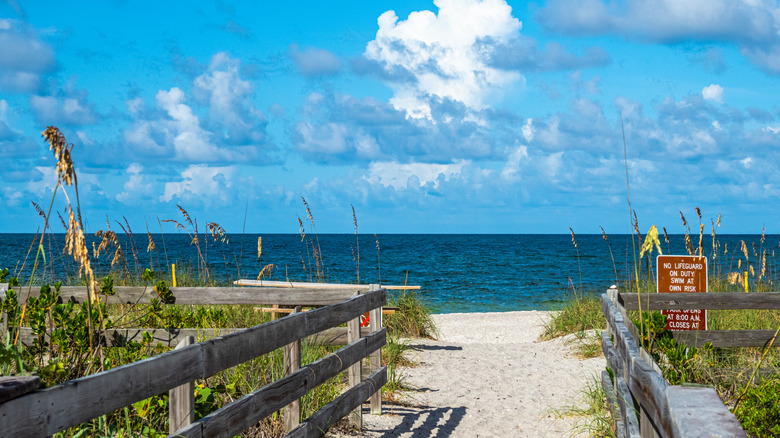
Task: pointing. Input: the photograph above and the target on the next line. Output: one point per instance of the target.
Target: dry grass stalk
(62, 151)
(62, 221)
(194, 238)
(604, 236)
(378, 259)
(109, 238)
(75, 245)
(39, 210)
(259, 247)
(356, 250)
(701, 239)
(316, 250)
(217, 232)
(151, 246)
(666, 240)
(266, 271)
(688, 244)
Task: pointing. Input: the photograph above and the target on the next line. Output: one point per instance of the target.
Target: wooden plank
(612, 404)
(53, 409)
(296, 284)
(375, 362)
(613, 358)
(647, 428)
(45, 412)
(181, 406)
(15, 386)
(316, 425)
(319, 296)
(355, 373)
(712, 300)
(292, 363)
(385, 310)
(247, 411)
(726, 338)
(171, 337)
(627, 409)
(699, 412)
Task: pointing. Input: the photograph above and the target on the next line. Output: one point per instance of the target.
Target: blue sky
(451, 116)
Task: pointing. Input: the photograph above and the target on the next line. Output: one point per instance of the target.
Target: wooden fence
(643, 403)
(47, 411)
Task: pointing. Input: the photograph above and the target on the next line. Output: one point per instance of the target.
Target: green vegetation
(413, 319)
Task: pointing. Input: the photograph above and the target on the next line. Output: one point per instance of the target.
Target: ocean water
(457, 272)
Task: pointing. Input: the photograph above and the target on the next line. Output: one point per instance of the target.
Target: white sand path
(488, 375)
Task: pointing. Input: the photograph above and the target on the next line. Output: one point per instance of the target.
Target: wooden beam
(711, 300)
(376, 361)
(181, 406)
(385, 310)
(292, 363)
(355, 373)
(295, 284)
(171, 337)
(612, 404)
(726, 338)
(15, 386)
(319, 296)
(700, 412)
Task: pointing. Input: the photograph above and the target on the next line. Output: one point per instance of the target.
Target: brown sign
(686, 274)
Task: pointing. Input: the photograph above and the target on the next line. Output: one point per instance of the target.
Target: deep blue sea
(457, 272)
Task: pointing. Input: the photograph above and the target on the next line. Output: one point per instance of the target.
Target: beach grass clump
(582, 312)
(591, 408)
(413, 319)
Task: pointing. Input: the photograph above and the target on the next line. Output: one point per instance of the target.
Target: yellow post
(173, 274)
(746, 282)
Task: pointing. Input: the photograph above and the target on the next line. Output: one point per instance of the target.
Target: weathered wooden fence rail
(45, 412)
(313, 296)
(637, 386)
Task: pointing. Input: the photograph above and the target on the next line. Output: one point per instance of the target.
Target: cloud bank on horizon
(471, 116)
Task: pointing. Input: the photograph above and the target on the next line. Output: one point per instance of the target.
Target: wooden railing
(642, 402)
(308, 296)
(47, 411)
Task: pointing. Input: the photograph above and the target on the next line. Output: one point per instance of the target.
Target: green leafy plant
(759, 412)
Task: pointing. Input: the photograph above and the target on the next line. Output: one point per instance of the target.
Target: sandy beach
(487, 374)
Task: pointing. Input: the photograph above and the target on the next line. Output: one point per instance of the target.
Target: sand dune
(487, 375)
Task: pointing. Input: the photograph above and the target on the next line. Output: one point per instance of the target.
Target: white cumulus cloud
(400, 175)
(713, 92)
(200, 182)
(136, 187)
(440, 53)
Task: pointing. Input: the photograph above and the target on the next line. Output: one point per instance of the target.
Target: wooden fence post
(181, 399)
(355, 372)
(292, 363)
(376, 357)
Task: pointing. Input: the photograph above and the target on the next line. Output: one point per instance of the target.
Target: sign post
(685, 274)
